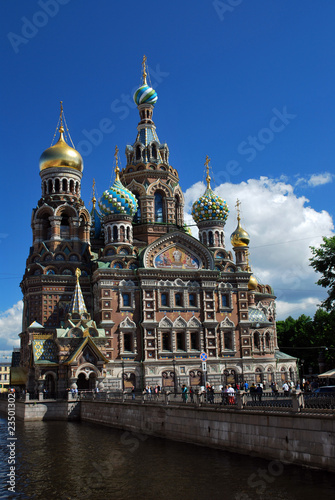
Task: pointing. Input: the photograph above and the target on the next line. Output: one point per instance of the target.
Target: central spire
(117, 169)
(144, 74)
(208, 178)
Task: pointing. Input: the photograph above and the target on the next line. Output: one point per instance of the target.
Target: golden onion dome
(239, 237)
(252, 285)
(61, 155)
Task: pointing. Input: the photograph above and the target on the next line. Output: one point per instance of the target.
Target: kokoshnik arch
(123, 295)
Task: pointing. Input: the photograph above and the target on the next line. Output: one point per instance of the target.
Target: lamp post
(302, 361)
(174, 376)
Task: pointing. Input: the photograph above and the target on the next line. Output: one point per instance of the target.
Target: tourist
(286, 389)
(192, 395)
(133, 392)
(231, 395)
(253, 392)
(246, 386)
(259, 392)
(184, 393)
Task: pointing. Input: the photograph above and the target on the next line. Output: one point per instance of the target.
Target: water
(67, 461)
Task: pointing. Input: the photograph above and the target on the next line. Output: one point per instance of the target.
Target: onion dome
(145, 94)
(209, 206)
(61, 154)
(239, 238)
(117, 199)
(252, 284)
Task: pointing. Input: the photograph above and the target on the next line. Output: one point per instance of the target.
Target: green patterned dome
(118, 200)
(210, 207)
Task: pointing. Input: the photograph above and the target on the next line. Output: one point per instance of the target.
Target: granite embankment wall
(282, 436)
(43, 410)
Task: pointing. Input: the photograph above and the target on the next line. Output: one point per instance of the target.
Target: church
(123, 295)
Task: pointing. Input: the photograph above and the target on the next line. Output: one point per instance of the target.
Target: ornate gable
(165, 323)
(227, 323)
(127, 323)
(178, 250)
(179, 323)
(194, 323)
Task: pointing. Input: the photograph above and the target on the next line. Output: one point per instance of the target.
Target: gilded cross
(144, 69)
(78, 273)
(208, 179)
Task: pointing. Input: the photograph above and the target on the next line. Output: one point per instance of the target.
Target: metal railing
(221, 400)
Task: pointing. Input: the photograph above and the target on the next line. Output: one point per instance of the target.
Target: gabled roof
(85, 341)
(35, 325)
(283, 355)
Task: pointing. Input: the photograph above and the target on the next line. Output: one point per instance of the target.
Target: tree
(323, 262)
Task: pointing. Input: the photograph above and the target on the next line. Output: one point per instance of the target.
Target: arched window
(115, 235)
(128, 233)
(138, 153)
(64, 226)
(72, 186)
(159, 202)
(46, 227)
(257, 341)
(45, 188)
(217, 238)
(154, 151)
(137, 216)
(228, 340)
(57, 185)
(64, 185)
(210, 239)
(177, 210)
(50, 186)
(267, 340)
(204, 235)
(178, 299)
(122, 233)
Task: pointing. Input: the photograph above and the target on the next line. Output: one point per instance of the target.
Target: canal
(67, 461)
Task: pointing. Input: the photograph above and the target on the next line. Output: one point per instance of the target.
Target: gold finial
(94, 200)
(208, 179)
(78, 274)
(237, 206)
(61, 128)
(117, 169)
(144, 74)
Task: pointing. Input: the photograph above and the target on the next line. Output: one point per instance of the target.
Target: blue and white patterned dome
(145, 95)
(118, 200)
(210, 207)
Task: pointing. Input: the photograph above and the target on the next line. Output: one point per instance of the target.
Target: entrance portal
(82, 382)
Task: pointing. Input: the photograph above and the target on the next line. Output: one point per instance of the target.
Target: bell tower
(61, 234)
(148, 174)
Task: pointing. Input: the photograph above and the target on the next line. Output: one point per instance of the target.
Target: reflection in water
(60, 461)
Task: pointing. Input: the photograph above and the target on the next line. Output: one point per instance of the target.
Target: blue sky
(249, 83)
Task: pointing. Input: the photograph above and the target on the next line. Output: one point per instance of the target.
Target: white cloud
(315, 180)
(320, 179)
(11, 326)
(281, 229)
